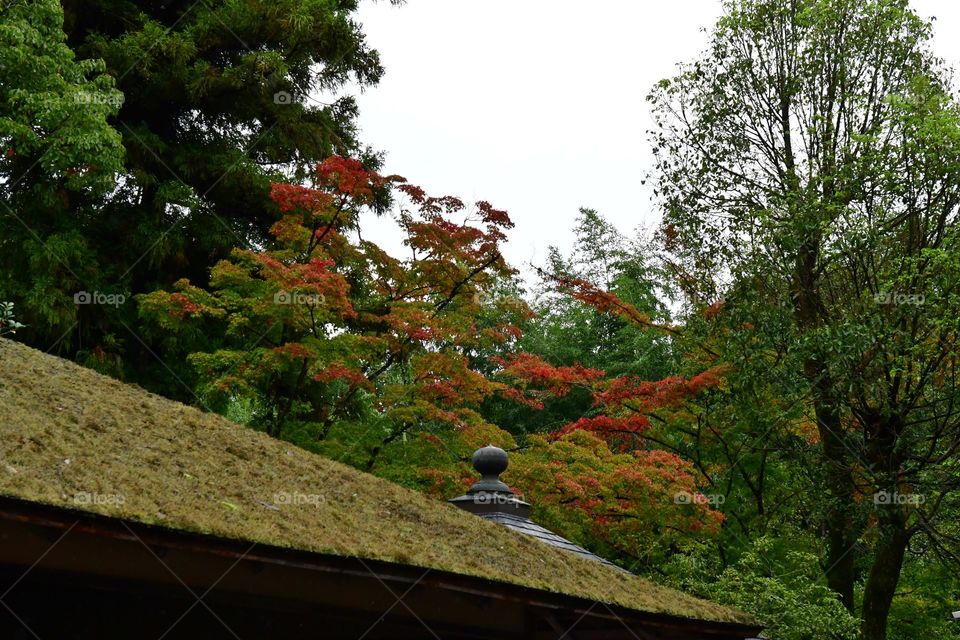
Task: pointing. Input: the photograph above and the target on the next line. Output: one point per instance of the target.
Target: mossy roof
(68, 433)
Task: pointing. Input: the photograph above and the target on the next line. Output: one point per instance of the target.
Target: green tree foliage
(566, 331)
(926, 598)
(748, 438)
(782, 587)
(58, 156)
(8, 323)
(569, 331)
(220, 99)
(809, 169)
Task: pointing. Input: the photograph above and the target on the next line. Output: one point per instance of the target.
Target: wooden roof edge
(110, 527)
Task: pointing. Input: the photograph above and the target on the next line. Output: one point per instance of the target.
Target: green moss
(74, 438)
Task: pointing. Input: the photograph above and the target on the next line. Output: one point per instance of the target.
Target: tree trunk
(838, 481)
(882, 433)
(884, 573)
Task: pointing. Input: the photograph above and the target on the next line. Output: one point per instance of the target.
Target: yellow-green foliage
(69, 435)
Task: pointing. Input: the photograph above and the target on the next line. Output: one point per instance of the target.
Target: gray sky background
(535, 105)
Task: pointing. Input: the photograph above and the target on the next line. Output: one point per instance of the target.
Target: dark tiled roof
(492, 500)
(531, 528)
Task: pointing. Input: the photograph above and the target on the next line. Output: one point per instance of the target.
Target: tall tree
(566, 331)
(811, 159)
(220, 98)
(58, 157)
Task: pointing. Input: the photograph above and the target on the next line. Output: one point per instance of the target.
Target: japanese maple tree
(323, 331)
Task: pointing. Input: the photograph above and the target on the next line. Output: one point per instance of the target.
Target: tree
(566, 331)
(782, 587)
(569, 330)
(808, 167)
(340, 346)
(637, 507)
(219, 100)
(748, 438)
(58, 157)
(600, 476)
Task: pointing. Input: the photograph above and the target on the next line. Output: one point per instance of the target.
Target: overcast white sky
(538, 105)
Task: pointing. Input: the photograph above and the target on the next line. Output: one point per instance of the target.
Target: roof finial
(490, 494)
(490, 462)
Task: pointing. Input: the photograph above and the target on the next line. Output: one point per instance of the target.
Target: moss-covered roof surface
(73, 438)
